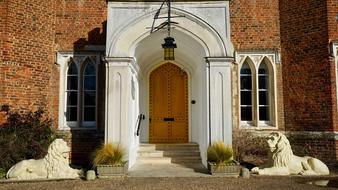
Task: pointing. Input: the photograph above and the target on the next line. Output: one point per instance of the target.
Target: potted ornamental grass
(221, 161)
(109, 160)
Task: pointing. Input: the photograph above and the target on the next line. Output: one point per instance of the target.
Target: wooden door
(168, 97)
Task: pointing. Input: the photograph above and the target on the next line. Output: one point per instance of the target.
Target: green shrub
(2, 173)
(219, 153)
(109, 154)
(24, 136)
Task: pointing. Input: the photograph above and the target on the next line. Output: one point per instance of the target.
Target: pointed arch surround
(246, 91)
(204, 52)
(78, 90)
(72, 92)
(128, 30)
(257, 92)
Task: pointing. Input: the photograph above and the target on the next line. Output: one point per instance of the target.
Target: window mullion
(256, 97)
(80, 105)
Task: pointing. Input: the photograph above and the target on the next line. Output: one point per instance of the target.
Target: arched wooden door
(168, 99)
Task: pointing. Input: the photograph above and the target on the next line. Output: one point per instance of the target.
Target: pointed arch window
(246, 92)
(263, 92)
(81, 94)
(72, 93)
(256, 88)
(89, 93)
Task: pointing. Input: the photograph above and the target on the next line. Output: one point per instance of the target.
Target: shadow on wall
(96, 37)
(85, 140)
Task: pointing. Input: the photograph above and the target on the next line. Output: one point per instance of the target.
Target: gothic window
(263, 92)
(89, 93)
(246, 92)
(72, 93)
(80, 94)
(257, 107)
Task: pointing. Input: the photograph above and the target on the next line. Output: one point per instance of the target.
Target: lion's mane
(54, 160)
(282, 154)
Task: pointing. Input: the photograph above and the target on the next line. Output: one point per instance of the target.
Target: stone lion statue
(54, 165)
(282, 161)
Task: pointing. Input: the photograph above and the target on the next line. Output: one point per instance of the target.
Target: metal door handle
(168, 119)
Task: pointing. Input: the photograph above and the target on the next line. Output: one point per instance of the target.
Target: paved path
(168, 170)
(164, 183)
(173, 176)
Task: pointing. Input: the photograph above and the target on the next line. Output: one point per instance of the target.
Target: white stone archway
(204, 52)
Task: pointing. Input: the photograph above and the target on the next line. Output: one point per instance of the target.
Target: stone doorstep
(169, 160)
(168, 148)
(167, 153)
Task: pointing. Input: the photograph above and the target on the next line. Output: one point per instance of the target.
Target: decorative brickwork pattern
(29, 78)
(306, 68)
(332, 17)
(255, 24)
(80, 23)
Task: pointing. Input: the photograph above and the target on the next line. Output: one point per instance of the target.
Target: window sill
(259, 128)
(67, 128)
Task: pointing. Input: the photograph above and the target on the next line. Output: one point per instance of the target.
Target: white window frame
(63, 59)
(271, 85)
(72, 123)
(247, 123)
(254, 59)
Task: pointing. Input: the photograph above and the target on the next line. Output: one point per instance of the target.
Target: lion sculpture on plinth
(282, 161)
(54, 165)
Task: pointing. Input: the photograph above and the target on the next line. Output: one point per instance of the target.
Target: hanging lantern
(169, 47)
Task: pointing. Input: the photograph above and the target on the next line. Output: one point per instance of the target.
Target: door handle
(168, 119)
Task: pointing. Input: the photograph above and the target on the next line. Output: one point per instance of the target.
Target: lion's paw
(255, 170)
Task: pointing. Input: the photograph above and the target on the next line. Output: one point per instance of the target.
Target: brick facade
(255, 24)
(332, 17)
(308, 72)
(29, 78)
(31, 32)
(308, 97)
(80, 23)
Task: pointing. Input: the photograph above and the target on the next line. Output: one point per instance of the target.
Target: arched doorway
(168, 105)
(204, 52)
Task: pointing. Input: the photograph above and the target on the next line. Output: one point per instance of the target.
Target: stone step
(182, 154)
(168, 147)
(167, 153)
(180, 160)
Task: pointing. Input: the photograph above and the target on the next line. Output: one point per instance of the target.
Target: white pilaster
(121, 112)
(219, 104)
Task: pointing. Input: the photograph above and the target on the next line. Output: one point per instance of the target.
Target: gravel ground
(149, 183)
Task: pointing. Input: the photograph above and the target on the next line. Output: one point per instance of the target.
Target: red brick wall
(29, 78)
(83, 144)
(323, 149)
(332, 16)
(80, 23)
(306, 68)
(255, 24)
(30, 34)
(332, 10)
(3, 13)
